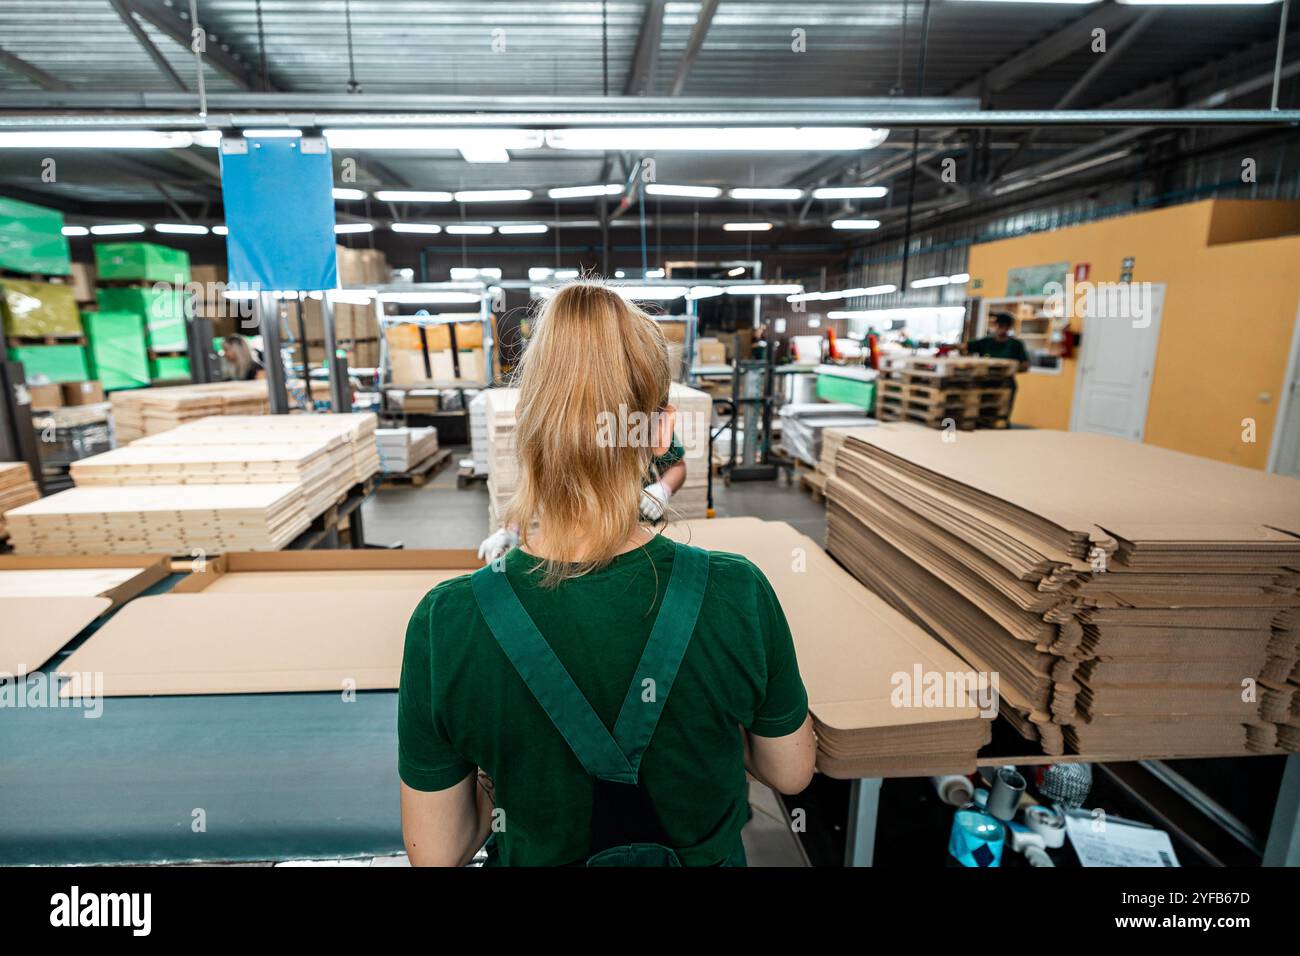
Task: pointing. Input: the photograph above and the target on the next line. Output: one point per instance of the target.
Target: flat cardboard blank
(34, 628)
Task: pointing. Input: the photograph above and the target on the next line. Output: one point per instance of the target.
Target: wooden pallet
(950, 366)
(420, 474)
(813, 482)
(946, 395)
(466, 476)
(20, 341)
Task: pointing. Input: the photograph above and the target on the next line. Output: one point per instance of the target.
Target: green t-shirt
(1009, 348)
(462, 705)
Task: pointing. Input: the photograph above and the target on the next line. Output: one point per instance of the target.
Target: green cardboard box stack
(147, 281)
(38, 314)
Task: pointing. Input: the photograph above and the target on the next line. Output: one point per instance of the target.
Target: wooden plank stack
(694, 411)
(147, 411)
(169, 519)
(963, 392)
(16, 488)
(1135, 602)
(401, 449)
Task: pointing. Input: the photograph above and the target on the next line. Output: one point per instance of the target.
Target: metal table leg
(1283, 846)
(864, 806)
(356, 529)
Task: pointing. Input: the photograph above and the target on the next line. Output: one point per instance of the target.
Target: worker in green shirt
(598, 694)
(1002, 344)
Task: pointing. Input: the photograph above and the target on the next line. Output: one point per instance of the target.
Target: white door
(1285, 457)
(1116, 362)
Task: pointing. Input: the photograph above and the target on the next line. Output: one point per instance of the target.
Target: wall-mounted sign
(1034, 280)
(1081, 270)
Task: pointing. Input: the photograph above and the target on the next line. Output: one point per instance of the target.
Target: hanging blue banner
(278, 196)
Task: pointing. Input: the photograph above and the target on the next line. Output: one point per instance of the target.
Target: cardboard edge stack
(225, 483)
(694, 415)
(1135, 602)
(16, 488)
(968, 391)
(147, 411)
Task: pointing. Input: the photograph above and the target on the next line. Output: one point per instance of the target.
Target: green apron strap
(663, 653)
(545, 676)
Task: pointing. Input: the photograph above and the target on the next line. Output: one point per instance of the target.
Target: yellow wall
(1229, 315)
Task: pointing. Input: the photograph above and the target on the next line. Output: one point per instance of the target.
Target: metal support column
(17, 434)
(198, 341)
(860, 835)
(268, 322)
(337, 366)
(1283, 846)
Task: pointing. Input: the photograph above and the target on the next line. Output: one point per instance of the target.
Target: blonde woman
(237, 362)
(595, 696)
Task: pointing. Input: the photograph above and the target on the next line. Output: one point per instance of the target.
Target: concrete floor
(440, 515)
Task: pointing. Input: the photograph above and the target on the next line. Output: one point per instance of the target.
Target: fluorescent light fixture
(655, 273)
(850, 192)
(746, 226)
(705, 291)
(961, 278)
(566, 274)
(738, 271)
(582, 192)
(460, 230)
(210, 138)
(522, 228)
(619, 274)
(684, 192)
(538, 274)
(651, 293)
(763, 289)
(1196, 3)
(430, 297)
(713, 139)
(930, 282)
(342, 192)
(282, 133)
(76, 231)
(345, 228)
(494, 195)
(856, 224)
(96, 139)
(348, 296)
(750, 192)
(1075, 3)
(413, 195)
(1059, 173)
(181, 228)
(422, 228)
(469, 274)
(117, 229)
(220, 231)
(475, 145)
(941, 312)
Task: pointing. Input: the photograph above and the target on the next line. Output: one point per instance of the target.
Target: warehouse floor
(440, 515)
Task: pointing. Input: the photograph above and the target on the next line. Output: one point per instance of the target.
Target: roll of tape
(953, 789)
(1048, 823)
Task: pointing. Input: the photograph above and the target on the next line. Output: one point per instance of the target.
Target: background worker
(1003, 345)
(598, 643)
(237, 361)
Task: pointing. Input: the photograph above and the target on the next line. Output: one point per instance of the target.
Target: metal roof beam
(698, 32)
(45, 81)
(177, 26)
(646, 57)
(148, 45)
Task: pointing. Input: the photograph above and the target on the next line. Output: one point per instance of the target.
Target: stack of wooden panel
(950, 392)
(873, 676)
(322, 469)
(1134, 601)
(146, 411)
(401, 449)
(16, 487)
(694, 411)
(168, 519)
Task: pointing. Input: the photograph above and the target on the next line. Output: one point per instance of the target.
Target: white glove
(653, 499)
(496, 544)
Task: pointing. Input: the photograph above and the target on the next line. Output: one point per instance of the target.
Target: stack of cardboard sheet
(355, 431)
(802, 426)
(167, 519)
(1134, 601)
(967, 391)
(478, 432)
(694, 411)
(314, 466)
(887, 699)
(16, 487)
(401, 449)
(146, 411)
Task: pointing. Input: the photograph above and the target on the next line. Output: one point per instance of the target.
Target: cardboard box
(710, 352)
(83, 282)
(82, 393)
(149, 570)
(46, 396)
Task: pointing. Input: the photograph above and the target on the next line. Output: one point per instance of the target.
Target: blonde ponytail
(593, 358)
